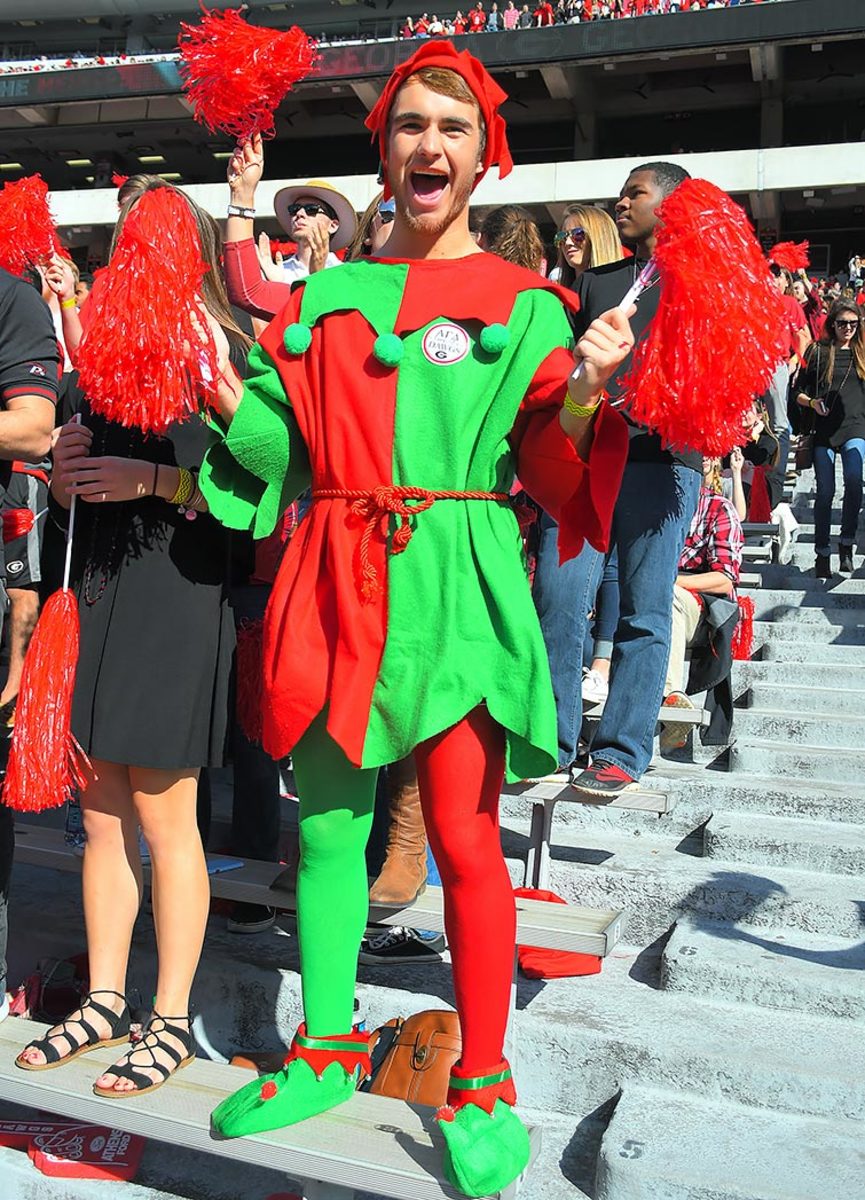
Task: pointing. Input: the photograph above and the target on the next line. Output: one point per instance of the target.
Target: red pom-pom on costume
(792, 256)
(27, 230)
(236, 75)
(153, 286)
(718, 335)
(249, 671)
(743, 635)
(45, 761)
(17, 522)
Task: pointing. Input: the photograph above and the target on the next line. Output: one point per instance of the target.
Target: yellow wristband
(69, 302)
(579, 410)
(185, 487)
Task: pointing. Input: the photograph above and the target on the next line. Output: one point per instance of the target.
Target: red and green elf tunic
(445, 375)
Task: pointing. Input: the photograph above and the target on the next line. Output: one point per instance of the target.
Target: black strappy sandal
(118, 1023)
(151, 1042)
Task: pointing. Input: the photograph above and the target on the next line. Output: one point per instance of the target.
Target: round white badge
(445, 344)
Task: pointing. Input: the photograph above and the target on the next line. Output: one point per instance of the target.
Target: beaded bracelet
(579, 410)
(185, 487)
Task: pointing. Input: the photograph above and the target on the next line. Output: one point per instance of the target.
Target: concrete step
(845, 730)
(811, 650)
(772, 604)
(663, 1145)
(842, 676)
(696, 793)
(817, 763)
(839, 699)
(655, 883)
(805, 845)
(772, 968)
(815, 636)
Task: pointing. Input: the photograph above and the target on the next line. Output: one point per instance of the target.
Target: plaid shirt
(715, 539)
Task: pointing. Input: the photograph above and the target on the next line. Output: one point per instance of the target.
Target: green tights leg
(336, 804)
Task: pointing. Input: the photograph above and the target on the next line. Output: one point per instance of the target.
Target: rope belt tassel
(376, 507)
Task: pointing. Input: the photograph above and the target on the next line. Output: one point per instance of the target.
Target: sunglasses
(575, 236)
(385, 215)
(840, 323)
(775, 269)
(311, 210)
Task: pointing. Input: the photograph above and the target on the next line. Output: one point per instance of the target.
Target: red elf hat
(490, 97)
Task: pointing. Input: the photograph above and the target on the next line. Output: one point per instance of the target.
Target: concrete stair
(661, 1145)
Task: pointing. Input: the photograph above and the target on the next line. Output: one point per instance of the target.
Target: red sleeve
(246, 287)
(580, 496)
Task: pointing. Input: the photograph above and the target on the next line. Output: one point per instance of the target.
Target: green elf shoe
(486, 1144)
(319, 1074)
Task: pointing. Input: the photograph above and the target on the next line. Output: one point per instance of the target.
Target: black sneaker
(845, 553)
(603, 780)
(398, 944)
(822, 566)
(250, 918)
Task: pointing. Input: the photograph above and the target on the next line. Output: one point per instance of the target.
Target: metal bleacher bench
(370, 1143)
(760, 541)
(551, 926)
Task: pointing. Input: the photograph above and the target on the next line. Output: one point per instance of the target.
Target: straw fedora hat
(320, 190)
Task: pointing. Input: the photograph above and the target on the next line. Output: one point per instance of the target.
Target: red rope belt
(377, 507)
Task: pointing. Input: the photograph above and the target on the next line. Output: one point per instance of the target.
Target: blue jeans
(852, 456)
(563, 596)
(651, 520)
(607, 608)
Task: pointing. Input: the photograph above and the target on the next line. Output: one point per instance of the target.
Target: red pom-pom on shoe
(236, 75)
(268, 1090)
(446, 1114)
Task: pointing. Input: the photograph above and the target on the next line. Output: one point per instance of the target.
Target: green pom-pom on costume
(484, 1152)
(297, 338)
(388, 349)
(494, 338)
(292, 1095)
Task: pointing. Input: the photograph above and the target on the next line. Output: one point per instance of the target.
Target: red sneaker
(603, 781)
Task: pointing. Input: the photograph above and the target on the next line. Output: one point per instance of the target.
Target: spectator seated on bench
(704, 605)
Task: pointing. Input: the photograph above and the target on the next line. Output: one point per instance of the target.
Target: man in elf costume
(407, 391)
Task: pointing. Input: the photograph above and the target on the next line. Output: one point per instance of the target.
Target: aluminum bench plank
(372, 1143)
(552, 926)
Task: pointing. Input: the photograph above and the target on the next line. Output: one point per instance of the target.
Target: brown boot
(403, 876)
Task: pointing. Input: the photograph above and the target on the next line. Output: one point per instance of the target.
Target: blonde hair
(357, 247)
(605, 246)
(715, 482)
(511, 233)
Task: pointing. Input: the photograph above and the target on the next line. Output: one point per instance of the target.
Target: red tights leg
(460, 773)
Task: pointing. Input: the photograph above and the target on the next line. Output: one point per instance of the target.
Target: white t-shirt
(295, 269)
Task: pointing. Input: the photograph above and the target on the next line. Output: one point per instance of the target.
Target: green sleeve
(259, 463)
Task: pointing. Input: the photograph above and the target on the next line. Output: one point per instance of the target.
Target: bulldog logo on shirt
(446, 344)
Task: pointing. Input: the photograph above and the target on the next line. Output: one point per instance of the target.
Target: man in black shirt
(657, 500)
(29, 378)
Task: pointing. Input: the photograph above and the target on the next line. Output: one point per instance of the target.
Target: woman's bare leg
(111, 885)
(165, 803)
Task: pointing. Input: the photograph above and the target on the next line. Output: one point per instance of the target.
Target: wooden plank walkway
(552, 926)
(372, 1143)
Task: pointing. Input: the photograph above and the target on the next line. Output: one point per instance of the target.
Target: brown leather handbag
(418, 1055)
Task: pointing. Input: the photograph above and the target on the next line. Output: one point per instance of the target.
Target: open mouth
(428, 187)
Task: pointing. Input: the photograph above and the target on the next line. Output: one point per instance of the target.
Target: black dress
(154, 683)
